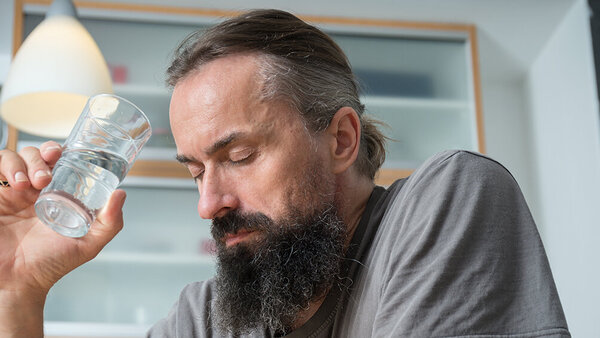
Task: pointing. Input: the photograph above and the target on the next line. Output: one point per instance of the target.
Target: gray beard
(266, 284)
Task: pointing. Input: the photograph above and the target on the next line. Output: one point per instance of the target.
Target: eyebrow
(220, 144)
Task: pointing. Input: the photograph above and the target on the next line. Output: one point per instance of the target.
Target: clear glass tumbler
(97, 155)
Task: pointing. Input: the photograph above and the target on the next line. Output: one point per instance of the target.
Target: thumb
(108, 222)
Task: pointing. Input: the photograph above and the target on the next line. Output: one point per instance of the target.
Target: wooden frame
(173, 169)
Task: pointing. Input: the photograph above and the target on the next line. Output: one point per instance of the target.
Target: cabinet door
(420, 79)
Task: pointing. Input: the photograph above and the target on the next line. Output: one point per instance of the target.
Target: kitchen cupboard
(421, 79)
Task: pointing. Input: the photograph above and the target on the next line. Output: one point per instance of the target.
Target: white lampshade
(58, 67)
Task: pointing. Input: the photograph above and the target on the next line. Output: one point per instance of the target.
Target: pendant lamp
(56, 69)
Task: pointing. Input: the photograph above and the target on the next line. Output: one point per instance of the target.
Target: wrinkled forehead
(224, 97)
(218, 87)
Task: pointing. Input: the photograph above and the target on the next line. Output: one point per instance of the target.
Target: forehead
(223, 84)
(220, 98)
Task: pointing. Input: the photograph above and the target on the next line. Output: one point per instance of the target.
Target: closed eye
(242, 156)
(198, 177)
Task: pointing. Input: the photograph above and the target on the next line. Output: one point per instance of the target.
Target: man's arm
(21, 314)
(465, 256)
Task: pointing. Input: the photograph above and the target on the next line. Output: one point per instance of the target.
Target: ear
(344, 136)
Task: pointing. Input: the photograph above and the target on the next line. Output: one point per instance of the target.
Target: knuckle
(29, 150)
(4, 152)
(31, 155)
(8, 156)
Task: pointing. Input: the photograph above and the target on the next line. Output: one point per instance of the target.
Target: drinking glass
(97, 155)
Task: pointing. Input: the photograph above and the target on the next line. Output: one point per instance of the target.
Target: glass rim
(120, 98)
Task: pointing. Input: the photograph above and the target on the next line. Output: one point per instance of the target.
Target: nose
(216, 195)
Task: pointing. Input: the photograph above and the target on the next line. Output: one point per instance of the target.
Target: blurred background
(514, 79)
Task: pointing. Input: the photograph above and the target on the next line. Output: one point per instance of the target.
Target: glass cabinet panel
(419, 88)
(408, 67)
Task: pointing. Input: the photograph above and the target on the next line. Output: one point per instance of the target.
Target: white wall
(566, 148)
(507, 132)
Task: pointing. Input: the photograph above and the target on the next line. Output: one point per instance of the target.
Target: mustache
(235, 221)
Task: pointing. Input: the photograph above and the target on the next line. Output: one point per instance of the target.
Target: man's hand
(32, 256)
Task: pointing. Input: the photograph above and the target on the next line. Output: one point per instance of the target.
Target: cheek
(315, 187)
(282, 176)
(265, 187)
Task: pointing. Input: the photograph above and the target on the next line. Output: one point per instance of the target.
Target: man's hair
(299, 64)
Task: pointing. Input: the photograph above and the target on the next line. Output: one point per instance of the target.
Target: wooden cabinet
(420, 79)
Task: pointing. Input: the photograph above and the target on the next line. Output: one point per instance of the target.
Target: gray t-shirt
(452, 251)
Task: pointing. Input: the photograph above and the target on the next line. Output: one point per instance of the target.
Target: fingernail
(42, 173)
(21, 177)
(52, 148)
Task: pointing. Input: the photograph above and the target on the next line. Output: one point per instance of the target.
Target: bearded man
(266, 116)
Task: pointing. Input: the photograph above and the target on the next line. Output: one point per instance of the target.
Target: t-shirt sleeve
(465, 257)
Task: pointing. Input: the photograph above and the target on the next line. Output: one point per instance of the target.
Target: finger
(108, 223)
(37, 170)
(13, 168)
(51, 152)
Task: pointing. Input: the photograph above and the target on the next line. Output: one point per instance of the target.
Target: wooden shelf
(386, 177)
(159, 168)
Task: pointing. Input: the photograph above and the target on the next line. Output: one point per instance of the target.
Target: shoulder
(459, 183)
(203, 290)
(457, 172)
(462, 163)
(456, 195)
(459, 238)
(195, 300)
